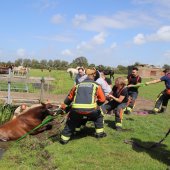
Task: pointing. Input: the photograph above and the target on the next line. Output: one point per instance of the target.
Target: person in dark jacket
(133, 80)
(162, 99)
(118, 102)
(85, 100)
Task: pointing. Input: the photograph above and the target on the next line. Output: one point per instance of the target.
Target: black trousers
(75, 119)
(118, 107)
(133, 96)
(162, 100)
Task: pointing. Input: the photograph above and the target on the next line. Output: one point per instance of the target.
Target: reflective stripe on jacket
(85, 96)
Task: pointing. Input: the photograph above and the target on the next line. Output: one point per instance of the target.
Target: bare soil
(141, 104)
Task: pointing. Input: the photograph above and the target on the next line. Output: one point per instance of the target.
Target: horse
(72, 71)
(108, 72)
(5, 69)
(20, 70)
(17, 127)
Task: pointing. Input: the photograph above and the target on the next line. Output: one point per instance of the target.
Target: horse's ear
(43, 104)
(46, 105)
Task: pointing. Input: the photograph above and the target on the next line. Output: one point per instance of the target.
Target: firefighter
(85, 100)
(133, 79)
(118, 102)
(162, 99)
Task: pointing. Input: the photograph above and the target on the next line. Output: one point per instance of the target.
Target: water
(1, 152)
(3, 147)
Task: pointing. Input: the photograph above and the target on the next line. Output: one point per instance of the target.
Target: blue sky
(108, 32)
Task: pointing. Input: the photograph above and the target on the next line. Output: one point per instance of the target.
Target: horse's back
(22, 124)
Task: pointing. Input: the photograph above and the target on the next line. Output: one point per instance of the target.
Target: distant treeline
(63, 65)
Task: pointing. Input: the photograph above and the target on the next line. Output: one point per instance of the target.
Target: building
(148, 71)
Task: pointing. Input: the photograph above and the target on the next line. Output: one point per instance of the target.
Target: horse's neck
(35, 113)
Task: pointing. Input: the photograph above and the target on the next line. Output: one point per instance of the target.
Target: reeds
(6, 113)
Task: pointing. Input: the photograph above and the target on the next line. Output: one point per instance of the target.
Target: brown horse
(23, 123)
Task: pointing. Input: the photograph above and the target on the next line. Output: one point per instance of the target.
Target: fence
(11, 83)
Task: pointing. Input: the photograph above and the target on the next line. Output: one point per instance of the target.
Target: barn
(148, 71)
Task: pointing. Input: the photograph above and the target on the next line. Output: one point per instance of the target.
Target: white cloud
(79, 19)
(139, 39)
(66, 52)
(56, 19)
(45, 4)
(162, 34)
(97, 40)
(21, 52)
(113, 45)
(119, 20)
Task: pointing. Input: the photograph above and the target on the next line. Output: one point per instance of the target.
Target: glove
(63, 106)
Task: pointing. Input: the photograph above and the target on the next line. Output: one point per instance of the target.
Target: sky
(107, 32)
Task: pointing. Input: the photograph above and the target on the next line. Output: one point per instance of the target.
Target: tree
(43, 64)
(166, 66)
(50, 63)
(18, 62)
(35, 64)
(27, 63)
(121, 69)
(92, 65)
(80, 61)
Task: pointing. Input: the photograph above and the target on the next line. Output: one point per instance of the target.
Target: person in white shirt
(81, 76)
(101, 81)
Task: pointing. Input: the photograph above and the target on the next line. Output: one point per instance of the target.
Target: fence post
(9, 87)
(42, 89)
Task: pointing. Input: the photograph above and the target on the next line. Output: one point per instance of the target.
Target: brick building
(148, 71)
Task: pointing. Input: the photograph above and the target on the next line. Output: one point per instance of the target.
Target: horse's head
(50, 109)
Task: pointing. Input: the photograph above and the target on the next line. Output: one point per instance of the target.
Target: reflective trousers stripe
(156, 109)
(119, 124)
(128, 108)
(99, 130)
(65, 137)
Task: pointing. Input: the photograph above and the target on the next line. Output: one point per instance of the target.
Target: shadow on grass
(86, 131)
(111, 124)
(159, 153)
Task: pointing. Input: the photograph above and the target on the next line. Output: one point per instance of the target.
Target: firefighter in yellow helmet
(84, 99)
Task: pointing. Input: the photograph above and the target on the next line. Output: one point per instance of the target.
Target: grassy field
(62, 83)
(84, 152)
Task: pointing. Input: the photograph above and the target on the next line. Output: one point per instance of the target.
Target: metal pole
(42, 89)
(9, 87)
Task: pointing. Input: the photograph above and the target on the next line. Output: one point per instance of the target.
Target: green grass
(62, 83)
(84, 152)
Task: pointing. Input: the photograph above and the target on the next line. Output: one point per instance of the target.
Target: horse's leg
(70, 74)
(110, 76)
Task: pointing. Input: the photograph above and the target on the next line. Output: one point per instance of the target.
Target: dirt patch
(143, 106)
(32, 97)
